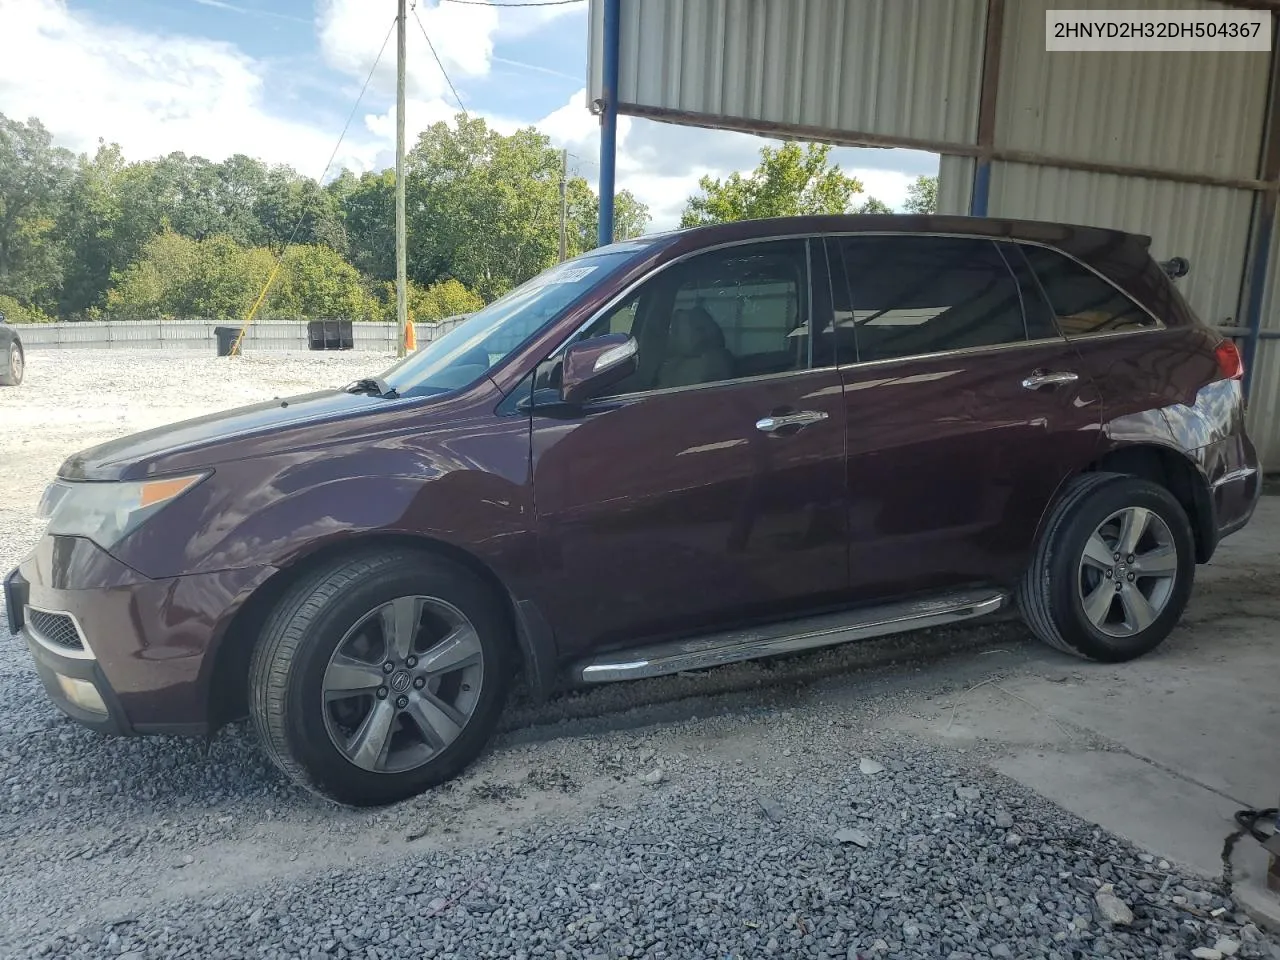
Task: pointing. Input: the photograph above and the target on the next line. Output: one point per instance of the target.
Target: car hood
(207, 439)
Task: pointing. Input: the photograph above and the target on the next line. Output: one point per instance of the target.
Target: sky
(277, 79)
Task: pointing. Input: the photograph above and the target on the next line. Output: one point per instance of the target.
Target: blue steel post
(981, 188)
(988, 91)
(609, 117)
(1258, 273)
(1265, 217)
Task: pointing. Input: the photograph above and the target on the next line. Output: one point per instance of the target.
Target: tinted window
(1035, 308)
(749, 301)
(738, 312)
(484, 339)
(912, 295)
(1082, 301)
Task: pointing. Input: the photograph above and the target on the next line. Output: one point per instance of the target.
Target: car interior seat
(695, 351)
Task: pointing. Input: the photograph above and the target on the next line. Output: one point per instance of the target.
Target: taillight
(1229, 360)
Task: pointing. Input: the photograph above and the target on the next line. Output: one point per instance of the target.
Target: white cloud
(154, 93)
(158, 92)
(350, 35)
(518, 22)
(151, 93)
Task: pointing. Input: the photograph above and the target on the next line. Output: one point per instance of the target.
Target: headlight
(107, 512)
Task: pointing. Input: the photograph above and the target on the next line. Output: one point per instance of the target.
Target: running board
(790, 637)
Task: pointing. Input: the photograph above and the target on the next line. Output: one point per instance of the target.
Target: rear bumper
(129, 655)
(1235, 484)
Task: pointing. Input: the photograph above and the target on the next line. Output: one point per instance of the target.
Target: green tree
(289, 207)
(314, 281)
(367, 211)
(484, 208)
(484, 205)
(15, 312)
(155, 285)
(215, 279)
(630, 216)
(922, 195)
(872, 205)
(790, 181)
(445, 299)
(33, 177)
(89, 225)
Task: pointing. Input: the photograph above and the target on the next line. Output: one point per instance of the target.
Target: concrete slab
(1165, 749)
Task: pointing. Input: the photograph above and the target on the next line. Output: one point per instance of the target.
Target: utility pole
(402, 270)
(564, 205)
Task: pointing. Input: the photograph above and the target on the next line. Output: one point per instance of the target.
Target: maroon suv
(673, 452)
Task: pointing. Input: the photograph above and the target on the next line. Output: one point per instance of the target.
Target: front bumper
(146, 656)
(74, 682)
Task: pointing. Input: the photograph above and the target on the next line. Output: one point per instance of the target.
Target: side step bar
(790, 637)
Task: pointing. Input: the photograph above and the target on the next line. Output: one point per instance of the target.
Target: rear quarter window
(1083, 303)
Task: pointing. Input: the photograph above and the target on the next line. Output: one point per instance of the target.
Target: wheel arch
(226, 685)
(1170, 468)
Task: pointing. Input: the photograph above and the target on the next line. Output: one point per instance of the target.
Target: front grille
(57, 628)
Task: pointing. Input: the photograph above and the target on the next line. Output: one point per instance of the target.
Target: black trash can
(330, 335)
(226, 339)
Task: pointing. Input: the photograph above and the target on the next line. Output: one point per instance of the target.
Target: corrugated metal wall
(955, 184)
(1193, 112)
(1207, 225)
(904, 67)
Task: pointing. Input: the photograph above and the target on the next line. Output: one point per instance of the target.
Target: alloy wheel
(1127, 572)
(15, 364)
(402, 684)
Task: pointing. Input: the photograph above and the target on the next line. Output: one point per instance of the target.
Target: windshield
(484, 339)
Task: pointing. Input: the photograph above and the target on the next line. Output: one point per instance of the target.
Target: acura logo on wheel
(400, 682)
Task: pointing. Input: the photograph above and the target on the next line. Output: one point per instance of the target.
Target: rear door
(1140, 366)
(711, 489)
(964, 412)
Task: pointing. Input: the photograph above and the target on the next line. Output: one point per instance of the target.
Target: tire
(12, 366)
(315, 710)
(1058, 595)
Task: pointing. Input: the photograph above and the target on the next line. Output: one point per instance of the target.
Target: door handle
(1038, 380)
(801, 418)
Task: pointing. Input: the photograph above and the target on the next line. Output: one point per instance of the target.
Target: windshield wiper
(375, 386)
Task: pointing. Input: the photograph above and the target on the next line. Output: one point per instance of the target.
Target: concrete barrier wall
(198, 335)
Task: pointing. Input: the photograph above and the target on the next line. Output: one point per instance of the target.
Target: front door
(710, 490)
(965, 412)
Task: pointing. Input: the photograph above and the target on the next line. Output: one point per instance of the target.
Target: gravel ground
(755, 811)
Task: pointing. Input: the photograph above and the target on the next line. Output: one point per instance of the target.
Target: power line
(439, 63)
(346, 127)
(354, 107)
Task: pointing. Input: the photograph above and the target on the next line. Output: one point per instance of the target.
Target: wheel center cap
(400, 681)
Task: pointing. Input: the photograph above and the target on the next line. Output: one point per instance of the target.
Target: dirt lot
(961, 793)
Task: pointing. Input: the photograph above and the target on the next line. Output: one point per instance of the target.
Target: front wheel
(1113, 571)
(380, 676)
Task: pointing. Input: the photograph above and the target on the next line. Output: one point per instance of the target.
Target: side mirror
(592, 366)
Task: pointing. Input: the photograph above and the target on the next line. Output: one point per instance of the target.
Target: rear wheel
(1113, 570)
(13, 366)
(381, 676)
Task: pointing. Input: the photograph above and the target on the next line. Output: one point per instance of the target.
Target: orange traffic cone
(410, 338)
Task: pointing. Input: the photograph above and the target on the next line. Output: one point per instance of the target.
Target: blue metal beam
(609, 117)
(981, 188)
(1257, 283)
(1259, 253)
